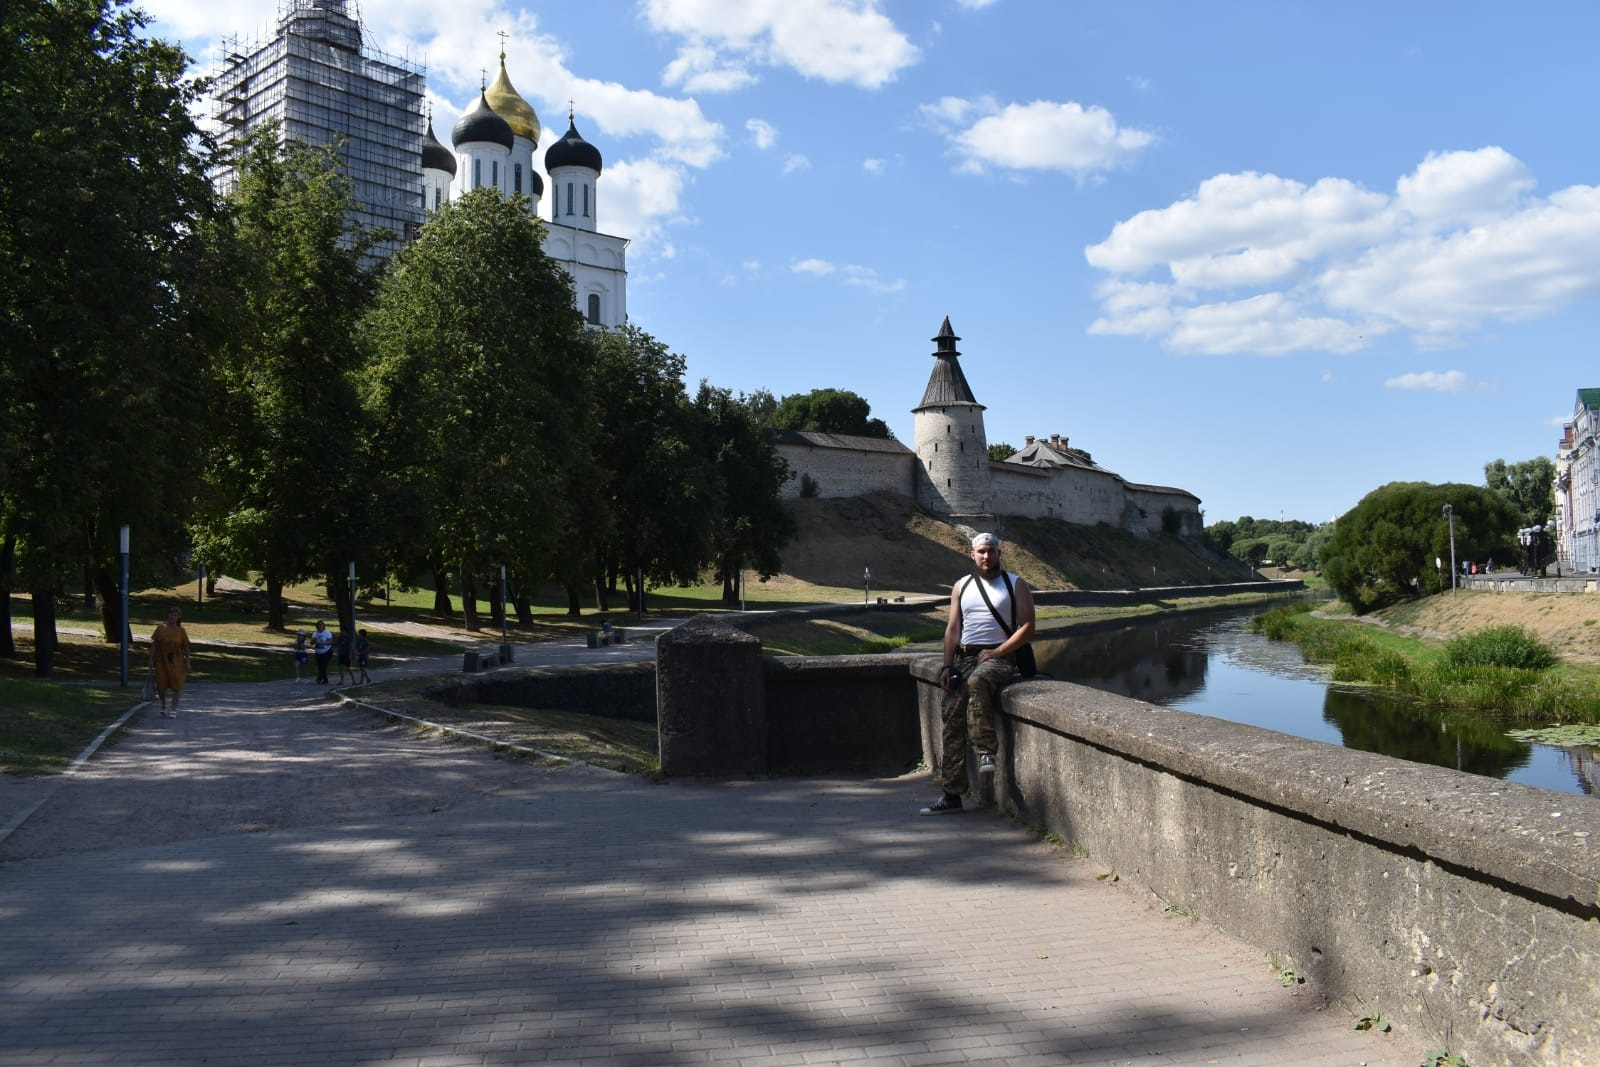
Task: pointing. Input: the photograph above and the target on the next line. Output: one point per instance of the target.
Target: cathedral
(494, 143)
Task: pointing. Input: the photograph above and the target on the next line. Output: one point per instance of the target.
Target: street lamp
(352, 598)
(866, 582)
(199, 587)
(1450, 516)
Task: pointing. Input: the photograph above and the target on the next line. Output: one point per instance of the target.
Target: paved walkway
(275, 879)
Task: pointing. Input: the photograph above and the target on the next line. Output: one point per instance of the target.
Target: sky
(1274, 254)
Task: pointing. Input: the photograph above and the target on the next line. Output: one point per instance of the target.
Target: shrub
(809, 487)
(1500, 646)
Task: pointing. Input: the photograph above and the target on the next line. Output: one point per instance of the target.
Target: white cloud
(1042, 135)
(873, 166)
(849, 274)
(841, 41)
(1450, 381)
(699, 69)
(1327, 377)
(764, 133)
(1329, 266)
(975, 5)
(796, 162)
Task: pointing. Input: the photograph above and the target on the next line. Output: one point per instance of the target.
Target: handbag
(1027, 666)
(150, 682)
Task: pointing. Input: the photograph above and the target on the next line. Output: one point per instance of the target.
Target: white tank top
(978, 625)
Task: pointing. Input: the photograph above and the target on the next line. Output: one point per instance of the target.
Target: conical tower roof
(947, 384)
(509, 105)
(480, 124)
(572, 151)
(435, 155)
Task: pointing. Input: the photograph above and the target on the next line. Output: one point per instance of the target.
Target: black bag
(1027, 666)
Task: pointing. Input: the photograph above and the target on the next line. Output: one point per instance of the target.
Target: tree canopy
(1528, 485)
(1385, 548)
(826, 411)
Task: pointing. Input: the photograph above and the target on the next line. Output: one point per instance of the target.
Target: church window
(585, 201)
(517, 175)
(438, 195)
(477, 173)
(494, 173)
(569, 198)
(594, 308)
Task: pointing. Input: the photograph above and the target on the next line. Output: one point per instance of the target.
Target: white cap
(986, 539)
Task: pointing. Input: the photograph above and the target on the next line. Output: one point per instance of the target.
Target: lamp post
(505, 612)
(199, 587)
(866, 586)
(1450, 517)
(122, 550)
(352, 599)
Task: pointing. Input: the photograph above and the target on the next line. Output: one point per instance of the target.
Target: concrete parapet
(609, 690)
(1462, 907)
(832, 713)
(711, 713)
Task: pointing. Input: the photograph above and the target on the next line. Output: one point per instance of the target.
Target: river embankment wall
(1463, 908)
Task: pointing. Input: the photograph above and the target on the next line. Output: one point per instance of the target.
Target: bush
(1279, 623)
(809, 487)
(1500, 646)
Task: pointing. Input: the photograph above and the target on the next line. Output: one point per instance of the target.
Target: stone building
(948, 471)
(1577, 485)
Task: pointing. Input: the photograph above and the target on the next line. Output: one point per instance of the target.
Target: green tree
(1529, 485)
(1383, 550)
(662, 501)
(479, 395)
(753, 526)
(1000, 452)
(103, 182)
(827, 411)
(284, 488)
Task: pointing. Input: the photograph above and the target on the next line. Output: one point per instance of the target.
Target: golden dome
(511, 107)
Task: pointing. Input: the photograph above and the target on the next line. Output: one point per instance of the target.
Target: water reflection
(1211, 664)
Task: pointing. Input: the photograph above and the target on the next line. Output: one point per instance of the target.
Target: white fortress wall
(1148, 503)
(1071, 494)
(846, 472)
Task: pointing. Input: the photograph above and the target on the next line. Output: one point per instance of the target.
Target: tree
(1000, 452)
(285, 490)
(753, 526)
(1383, 550)
(103, 181)
(662, 501)
(480, 395)
(1528, 485)
(827, 411)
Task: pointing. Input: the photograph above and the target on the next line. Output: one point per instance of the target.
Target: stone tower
(952, 449)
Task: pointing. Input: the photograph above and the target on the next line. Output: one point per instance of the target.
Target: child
(362, 648)
(302, 656)
(345, 657)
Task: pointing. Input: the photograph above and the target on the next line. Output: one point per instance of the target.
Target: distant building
(316, 80)
(949, 472)
(1577, 485)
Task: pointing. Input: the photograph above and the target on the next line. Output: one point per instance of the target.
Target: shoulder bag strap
(990, 604)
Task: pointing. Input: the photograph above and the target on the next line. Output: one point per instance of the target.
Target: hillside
(911, 551)
(1567, 622)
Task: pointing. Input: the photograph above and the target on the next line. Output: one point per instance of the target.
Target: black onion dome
(480, 124)
(572, 151)
(436, 156)
(536, 183)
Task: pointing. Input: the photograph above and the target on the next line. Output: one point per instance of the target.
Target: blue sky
(1275, 254)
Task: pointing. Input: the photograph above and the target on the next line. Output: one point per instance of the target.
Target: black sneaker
(985, 764)
(947, 804)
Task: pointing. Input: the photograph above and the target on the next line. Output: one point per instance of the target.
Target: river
(1210, 663)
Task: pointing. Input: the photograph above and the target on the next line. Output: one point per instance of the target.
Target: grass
(1500, 669)
(43, 726)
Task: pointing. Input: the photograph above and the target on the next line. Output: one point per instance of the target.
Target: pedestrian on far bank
(322, 648)
(302, 655)
(979, 658)
(169, 655)
(346, 656)
(363, 650)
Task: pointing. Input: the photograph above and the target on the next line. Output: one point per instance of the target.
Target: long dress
(171, 644)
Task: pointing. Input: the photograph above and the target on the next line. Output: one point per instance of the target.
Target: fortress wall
(1153, 502)
(842, 472)
(1070, 494)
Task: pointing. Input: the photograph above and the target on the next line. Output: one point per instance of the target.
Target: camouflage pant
(967, 713)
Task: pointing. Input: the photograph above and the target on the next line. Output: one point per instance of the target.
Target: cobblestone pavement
(275, 879)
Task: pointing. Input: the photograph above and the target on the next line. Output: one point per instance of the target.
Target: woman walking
(169, 655)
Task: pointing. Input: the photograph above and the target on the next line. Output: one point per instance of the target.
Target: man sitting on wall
(980, 656)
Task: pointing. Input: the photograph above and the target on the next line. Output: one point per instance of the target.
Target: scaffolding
(314, 78)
